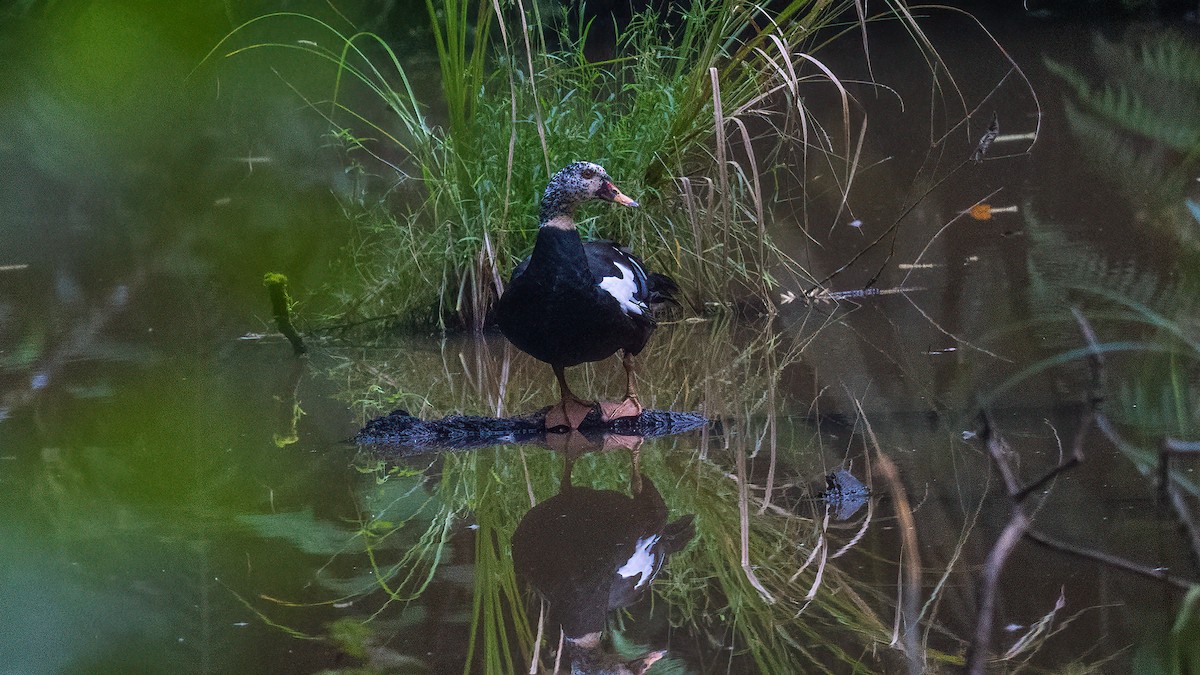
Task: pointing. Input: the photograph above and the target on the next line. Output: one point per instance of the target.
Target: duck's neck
(562, 221)
(557, 208)
(559, 250)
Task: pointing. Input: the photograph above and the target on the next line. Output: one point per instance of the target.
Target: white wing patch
(642, 562)
(623, 288)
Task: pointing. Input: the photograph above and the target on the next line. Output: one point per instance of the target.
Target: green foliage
(1141, 123)
(666, 116)
(1184, 655)
(27, 352)
(1141, 126)
(350, 635)
(1157, 388)
(1174, 649)
(301, 529)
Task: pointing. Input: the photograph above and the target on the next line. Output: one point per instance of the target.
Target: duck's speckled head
(574, 184)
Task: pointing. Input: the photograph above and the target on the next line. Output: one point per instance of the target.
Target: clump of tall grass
(669, 116)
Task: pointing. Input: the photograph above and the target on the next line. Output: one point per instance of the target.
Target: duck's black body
(572, 302)
(588, 552)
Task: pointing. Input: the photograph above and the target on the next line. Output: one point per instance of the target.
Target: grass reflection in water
(761, 583)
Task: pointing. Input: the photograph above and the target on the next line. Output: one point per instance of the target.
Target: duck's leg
(571, 410)
(629, 406)
(635, 469)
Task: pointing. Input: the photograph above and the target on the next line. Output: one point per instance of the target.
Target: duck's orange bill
(623, 200)
(611, 193)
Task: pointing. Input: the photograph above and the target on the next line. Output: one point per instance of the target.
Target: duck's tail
(662, 289)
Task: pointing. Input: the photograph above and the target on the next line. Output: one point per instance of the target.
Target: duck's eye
(588, 174)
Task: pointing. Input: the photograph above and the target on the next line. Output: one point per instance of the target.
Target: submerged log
(401, 432)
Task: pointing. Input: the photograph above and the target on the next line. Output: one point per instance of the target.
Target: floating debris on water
(826, 295)
(1008, 138)
(986, 211)
(985, 142)
(845, 493)
(39, 380)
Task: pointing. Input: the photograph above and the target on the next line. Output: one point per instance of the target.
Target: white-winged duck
(572, 301)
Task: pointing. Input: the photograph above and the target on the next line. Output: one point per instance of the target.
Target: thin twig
(977, 653)
(1018, 526)
(1095, 359)
(1075, 458)
(1186, 521)
(1170, 494)
(1157, 573)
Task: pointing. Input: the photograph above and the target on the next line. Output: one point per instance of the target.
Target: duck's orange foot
(629, 407)
(619, 442)
(568, 413)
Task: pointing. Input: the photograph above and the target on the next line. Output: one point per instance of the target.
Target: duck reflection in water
(588, 551)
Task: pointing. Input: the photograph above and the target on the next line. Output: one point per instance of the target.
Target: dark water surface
(174, 498)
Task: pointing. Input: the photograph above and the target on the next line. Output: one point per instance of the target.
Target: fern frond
(1129, 110)
(1161, 60)
(1172, 58)
(1149, 92)
(1143, 174)
(1063, 267)
(1069, 75)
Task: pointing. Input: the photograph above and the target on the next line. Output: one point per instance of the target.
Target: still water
(178, 493)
